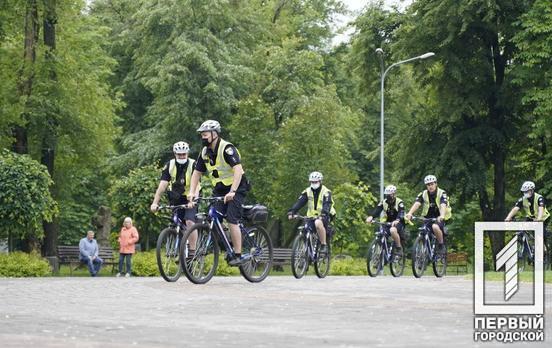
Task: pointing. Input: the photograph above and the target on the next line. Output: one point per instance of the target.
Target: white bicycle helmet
(528, 185)
(316, 176)
(389, 190)
(430, 179)
(181, 147)
(208, 126)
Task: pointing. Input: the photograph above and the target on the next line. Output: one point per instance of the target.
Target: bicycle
(526, 250)
(423, 250)
(168, 245)
(306, 250)
(257, 250)
(381, 252)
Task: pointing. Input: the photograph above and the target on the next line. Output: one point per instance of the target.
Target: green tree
(473, 106)
(25, 200)
(353, 203)
(534, 75)
(132, 196)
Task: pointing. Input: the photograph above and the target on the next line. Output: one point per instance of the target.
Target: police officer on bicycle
(391, 209)
(223, 162)
(533, 205)
(320, 207)
(176, 177)
(435, 204)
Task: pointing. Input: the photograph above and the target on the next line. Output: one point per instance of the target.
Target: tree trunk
(25, 85)
(49, 140)
(26, 74)
(102, 221)
(498, 151)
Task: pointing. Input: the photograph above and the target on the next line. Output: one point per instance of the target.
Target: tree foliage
(132, 195)
(25, 200)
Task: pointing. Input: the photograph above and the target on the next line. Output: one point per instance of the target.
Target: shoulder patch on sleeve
(229, 151)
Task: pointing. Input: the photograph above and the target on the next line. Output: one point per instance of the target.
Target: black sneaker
(237, 261)
(323, 249)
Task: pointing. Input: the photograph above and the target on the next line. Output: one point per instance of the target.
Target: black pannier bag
(255, 213)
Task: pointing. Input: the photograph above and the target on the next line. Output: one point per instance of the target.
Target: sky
(356, 6)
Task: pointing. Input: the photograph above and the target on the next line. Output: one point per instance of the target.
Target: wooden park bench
(458, 260)
(280, 257)
(69, 255)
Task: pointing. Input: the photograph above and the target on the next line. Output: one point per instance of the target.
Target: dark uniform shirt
(176, 194)
(541, 202)
(231, 157)
(433, 211)
(303, 200)
(392, 213)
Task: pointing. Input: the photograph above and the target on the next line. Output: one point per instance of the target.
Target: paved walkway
(279, 312)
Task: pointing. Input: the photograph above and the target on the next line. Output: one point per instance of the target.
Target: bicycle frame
(310, 235)
(214, 221)
(384, 234)
(429, 238)
(524, 236)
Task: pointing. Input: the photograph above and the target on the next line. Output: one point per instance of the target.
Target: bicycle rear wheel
(397, 264)
(419, 257)
(299, 257)
(523, 256)
(167, 254)
(440, 263)
(322, 263)
(257, 246)
(200, 267)
(374, 258)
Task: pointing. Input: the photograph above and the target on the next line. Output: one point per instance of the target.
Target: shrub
(348, 267)
(144, 264)
(223, 269)
(20, 264)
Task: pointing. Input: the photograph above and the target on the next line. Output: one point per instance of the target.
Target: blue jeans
(128, 262)
(93, 265)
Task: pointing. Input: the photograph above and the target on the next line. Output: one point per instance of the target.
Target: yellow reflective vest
(527, 208)
(225, 173)
(425, 196)
(311, 211)
(172, 173)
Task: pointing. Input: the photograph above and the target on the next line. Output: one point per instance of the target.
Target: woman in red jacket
(127, 238)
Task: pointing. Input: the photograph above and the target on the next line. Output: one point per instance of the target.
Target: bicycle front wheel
(440, 263)
(200, 264)
(374, 258)
(299, 257)
(322, 263)
(397, 264)
(523, 256)
(419, 257)
(257, 247)
(167, 254)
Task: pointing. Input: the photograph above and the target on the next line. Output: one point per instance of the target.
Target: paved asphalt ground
(229, 312)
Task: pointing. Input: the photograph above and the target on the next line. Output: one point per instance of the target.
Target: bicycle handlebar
(424, 219)
(172, 207)
(209, 199)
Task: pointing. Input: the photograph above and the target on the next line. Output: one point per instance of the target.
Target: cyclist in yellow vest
(176, 177)
(435, 205)
(320, 206)
(222, 161)
(533, 205)
(391, 209)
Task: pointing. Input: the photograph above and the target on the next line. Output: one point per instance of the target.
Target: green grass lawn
(525, 276)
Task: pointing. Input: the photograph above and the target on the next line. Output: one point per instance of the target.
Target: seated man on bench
(88, 253)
